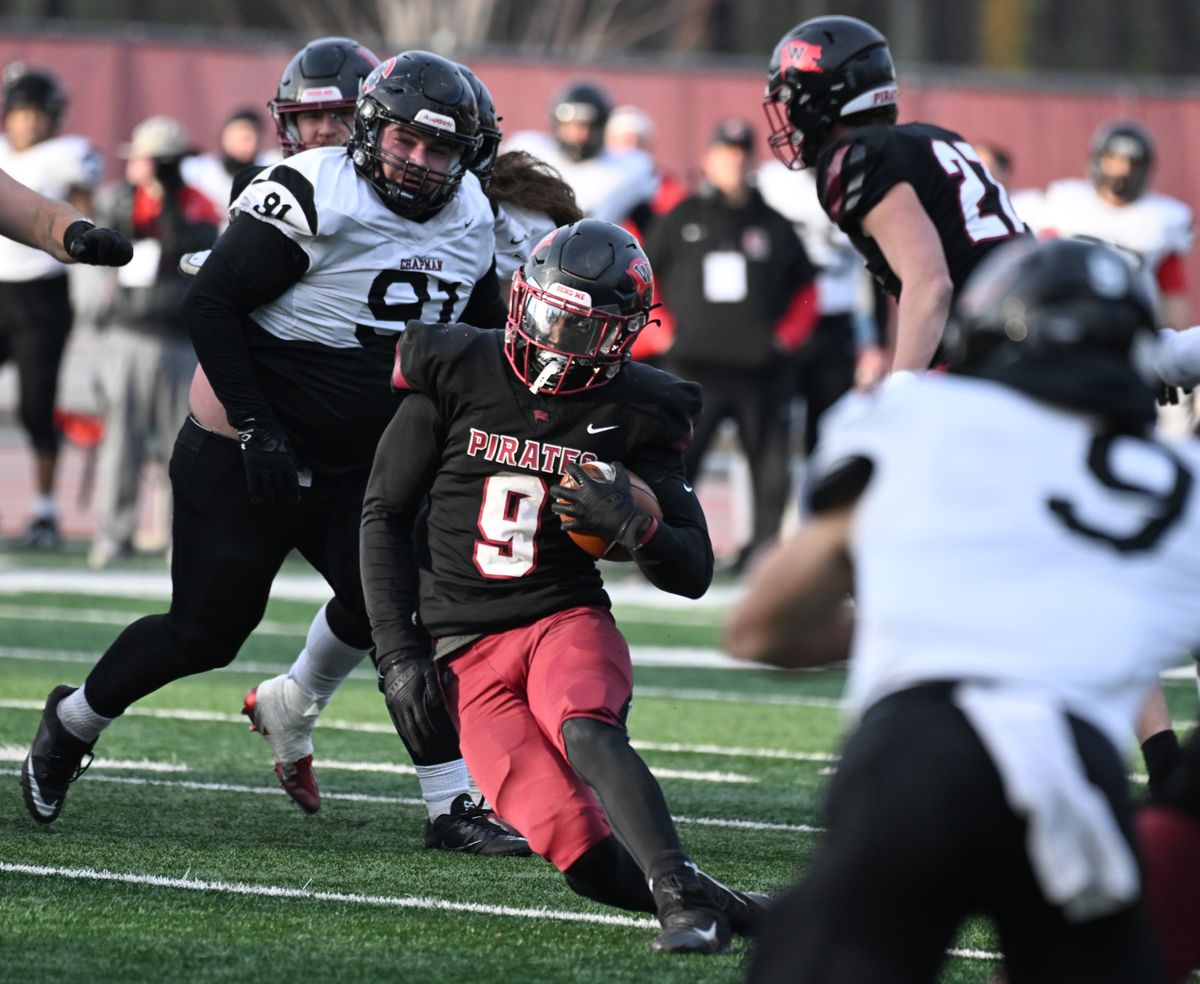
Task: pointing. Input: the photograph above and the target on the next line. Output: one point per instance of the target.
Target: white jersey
(607, 186)
(368, 268)
(51, 168)
(518, 231)
(841, 274)
(1154, 226)
(207, 174)
(1001, 540)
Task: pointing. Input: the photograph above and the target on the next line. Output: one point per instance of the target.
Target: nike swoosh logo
(516, 240)
(708, 935)
(44, 808)
(593, 429)
(686, 487)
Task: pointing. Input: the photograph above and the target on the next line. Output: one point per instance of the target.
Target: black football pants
(757, 400)
(920, 836)
(226, 552)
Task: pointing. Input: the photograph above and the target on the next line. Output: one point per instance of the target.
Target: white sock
(79, 719)
(43, 507)
(442, 784)
(325, 661)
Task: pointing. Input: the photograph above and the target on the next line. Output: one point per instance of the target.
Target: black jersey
(968, 207)
(487, 452)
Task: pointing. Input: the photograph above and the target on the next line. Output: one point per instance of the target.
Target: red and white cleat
(285, 716)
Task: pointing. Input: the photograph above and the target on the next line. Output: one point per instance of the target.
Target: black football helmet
(1124, 139)
(323, 75)
(581, 102)
(36, 88)
(822, 71)
(428, 94)
(576, 306)
(489, 129)
(1071, 321)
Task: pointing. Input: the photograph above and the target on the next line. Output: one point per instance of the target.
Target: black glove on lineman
(98, 247)
(415, 702)
(271, 473)
(605, 509)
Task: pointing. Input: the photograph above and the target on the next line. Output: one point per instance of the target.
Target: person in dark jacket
(147, 360)
(742, 293)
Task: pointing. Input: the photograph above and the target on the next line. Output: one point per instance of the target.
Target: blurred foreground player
(1005, 634)
(526, 657)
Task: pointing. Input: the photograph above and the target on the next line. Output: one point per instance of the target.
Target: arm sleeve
(678, 555)
(251, 264)
(486, 308)
(406, 462)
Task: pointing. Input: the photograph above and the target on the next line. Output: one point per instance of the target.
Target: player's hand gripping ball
(604, 525)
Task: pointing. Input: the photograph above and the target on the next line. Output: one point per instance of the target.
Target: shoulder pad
(283, 197)
(672, 405)
(427, 355)
(852, 174)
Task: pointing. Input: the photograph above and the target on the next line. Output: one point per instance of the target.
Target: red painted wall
(116, 83)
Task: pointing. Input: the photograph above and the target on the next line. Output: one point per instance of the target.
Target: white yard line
(224, 787)
(351, 898)
(369, 727)
(356, 898)
(304, 587)
(17, 753)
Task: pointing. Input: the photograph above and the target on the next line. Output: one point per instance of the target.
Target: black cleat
(743, 910)
(40, 534)
(691, 919)
(472, 829)
(53, 763)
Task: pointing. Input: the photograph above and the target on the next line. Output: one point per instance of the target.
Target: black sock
(607, 873)
(1161, 752)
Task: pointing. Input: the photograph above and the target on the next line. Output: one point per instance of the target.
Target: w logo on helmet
(639, 270)
(378, 75)
(802, 56)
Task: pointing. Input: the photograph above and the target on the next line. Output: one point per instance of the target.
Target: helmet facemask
(557, 342)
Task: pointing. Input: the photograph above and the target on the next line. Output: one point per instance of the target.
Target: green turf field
(178, 857)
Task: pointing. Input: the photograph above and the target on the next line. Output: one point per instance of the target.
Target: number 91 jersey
(1000, 539)
(369, 269)
(968, 207)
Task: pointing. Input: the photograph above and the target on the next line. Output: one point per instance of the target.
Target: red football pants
(510, 693)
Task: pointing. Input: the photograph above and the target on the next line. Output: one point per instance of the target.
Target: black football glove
(85, 243)
(418, 710)
(605, 509)
(271, 472)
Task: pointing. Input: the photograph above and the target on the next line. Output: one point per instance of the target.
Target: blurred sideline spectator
(1026, 202)
(35, 306)
(147, 360)
(630, 130)
(607, 186)
(743, 295)
(240, 143)
(825, 364)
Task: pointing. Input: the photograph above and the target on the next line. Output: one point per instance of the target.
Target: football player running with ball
(526, 657)
(294, 318)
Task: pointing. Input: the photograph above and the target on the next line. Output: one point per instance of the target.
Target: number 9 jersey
(968, 207)
(942, 537)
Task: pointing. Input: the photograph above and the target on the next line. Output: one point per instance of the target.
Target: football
(643, 496)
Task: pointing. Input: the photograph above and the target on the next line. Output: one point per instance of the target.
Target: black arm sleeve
(486, 308)
(406, 462)
(678, 557)
(251, 264)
